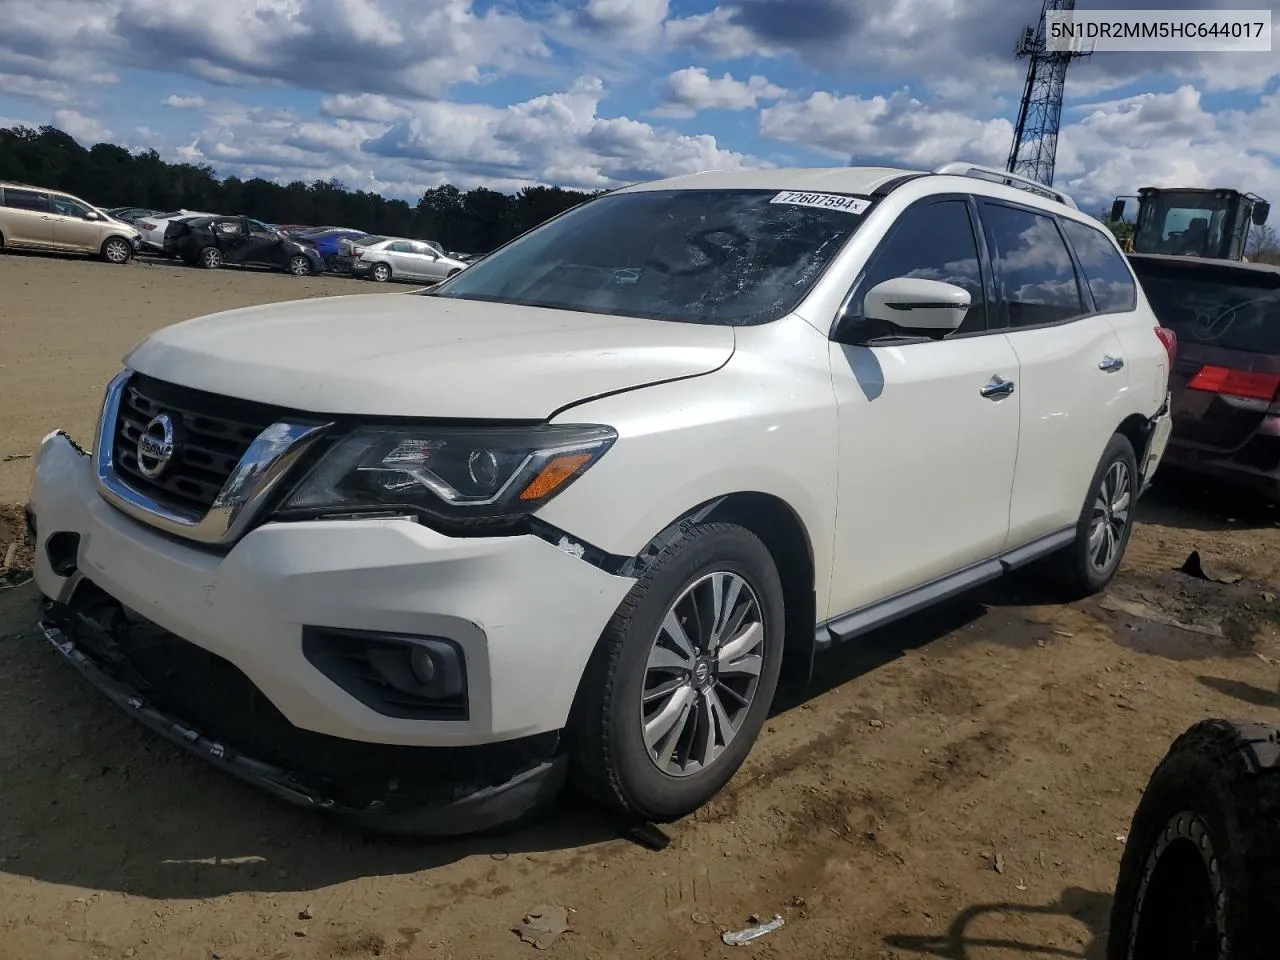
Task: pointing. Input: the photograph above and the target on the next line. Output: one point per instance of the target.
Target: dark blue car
(326, 242)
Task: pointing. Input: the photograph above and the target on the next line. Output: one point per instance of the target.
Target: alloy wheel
(1110, 516)
(117, 251)
(702, 674)
(212, 258)
(299, 267)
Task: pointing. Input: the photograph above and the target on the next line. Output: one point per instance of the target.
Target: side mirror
(1260, 212)
(911, 303)
(1117, 210)
(93, 215)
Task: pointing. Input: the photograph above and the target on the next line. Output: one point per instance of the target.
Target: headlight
(459, 475)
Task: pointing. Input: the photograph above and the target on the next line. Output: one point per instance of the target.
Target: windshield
(1234, 308)
(731, 257)
(1184, 222)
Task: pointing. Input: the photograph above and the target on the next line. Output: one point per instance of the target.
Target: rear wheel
(1200, 875)
(1102, 531)
(683, 677)
(380, 272)
(300, 266)
(210, 258)
(117, 250)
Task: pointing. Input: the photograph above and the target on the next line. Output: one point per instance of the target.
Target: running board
(886, 611)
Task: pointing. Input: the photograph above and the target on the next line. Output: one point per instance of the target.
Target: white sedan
(398, 259)
(151, 229)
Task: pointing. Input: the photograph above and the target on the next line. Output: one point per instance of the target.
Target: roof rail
(961, 168)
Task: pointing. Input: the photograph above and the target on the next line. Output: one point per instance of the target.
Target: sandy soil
(957, 786)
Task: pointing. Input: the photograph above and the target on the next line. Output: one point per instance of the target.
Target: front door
(263, 246)
(71, 231)
(927, 446)
(1072, 368)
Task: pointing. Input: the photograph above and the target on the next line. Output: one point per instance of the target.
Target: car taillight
(1244, 384)
(357, 251)
(1170, 340)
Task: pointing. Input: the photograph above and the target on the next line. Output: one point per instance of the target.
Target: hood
(379, 355)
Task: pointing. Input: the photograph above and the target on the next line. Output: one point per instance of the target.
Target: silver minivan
(35, 218)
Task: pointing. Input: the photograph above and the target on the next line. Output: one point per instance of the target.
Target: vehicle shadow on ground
(979, 928)
(1188, 501)
(1244, 692)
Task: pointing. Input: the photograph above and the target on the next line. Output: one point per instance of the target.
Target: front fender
(765, 423)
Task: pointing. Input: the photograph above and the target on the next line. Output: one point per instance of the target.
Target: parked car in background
(212, 242)
(152, 229)
(132, 214)
(350, 250)
(328, 243)
(1226, 379)
(40, 219)
(400, 259)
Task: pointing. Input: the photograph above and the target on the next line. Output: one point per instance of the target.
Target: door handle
(1110, 364)
(997, 388)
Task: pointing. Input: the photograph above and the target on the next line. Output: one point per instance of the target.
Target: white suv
(417, 559)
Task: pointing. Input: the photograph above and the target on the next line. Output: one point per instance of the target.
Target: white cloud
(688, 91)
(898, 129)
(85, 129)
(633, 21)
(35, 88)
(365, 106)
(184, 103)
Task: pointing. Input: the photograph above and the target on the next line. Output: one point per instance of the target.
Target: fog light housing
(419, 678)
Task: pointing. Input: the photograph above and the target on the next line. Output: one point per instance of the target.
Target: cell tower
(1035, 138)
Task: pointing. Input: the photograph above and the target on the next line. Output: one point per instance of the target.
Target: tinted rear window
(1104, 268)
(26, 200)
(1238, 309)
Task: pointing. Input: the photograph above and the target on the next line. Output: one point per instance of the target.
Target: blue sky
(400, 95)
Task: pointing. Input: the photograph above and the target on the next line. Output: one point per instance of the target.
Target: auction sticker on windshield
(826, 201)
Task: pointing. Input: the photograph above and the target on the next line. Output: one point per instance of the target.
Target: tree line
(108, 175)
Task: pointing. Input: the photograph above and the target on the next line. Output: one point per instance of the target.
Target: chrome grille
(216, 433)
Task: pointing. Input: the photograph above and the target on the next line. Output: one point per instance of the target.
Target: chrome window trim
(259, 472)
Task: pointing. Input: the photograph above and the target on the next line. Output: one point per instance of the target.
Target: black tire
(380, 272)
(210, 258)
(1073, 569)
(609, 760)
(1200, 875)
(116, 250)
(299, 266)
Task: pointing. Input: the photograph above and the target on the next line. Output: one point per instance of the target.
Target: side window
(400, 246)
(256, 227)
(228, 228)
(27, 200)
(930, 241)
(1033, 268)
(424, 249)
(66, 207)
(1103, 266)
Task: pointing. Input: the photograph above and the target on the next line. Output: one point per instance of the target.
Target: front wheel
(1200, 875)
(380, 272)
(116, 250)
(300, 266)
(683, 677)
(1102, 531)
(210, 258)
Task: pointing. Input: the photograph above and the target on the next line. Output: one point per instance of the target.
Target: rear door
(28, 218)
(1226, 376)
(1071, 368)
(399, 253)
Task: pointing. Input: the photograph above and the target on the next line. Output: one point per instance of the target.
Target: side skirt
(872, 616)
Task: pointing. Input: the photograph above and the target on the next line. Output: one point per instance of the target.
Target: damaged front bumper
(399, 791)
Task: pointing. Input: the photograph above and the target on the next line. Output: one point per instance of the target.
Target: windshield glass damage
(732, 257)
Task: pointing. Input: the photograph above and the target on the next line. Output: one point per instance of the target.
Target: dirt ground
(957, 786)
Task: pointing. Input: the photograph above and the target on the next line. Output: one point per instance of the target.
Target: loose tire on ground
(1200, 875)
(1109, 505)
(610, 760)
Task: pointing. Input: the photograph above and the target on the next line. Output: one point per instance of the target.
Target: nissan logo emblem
(156, 446)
